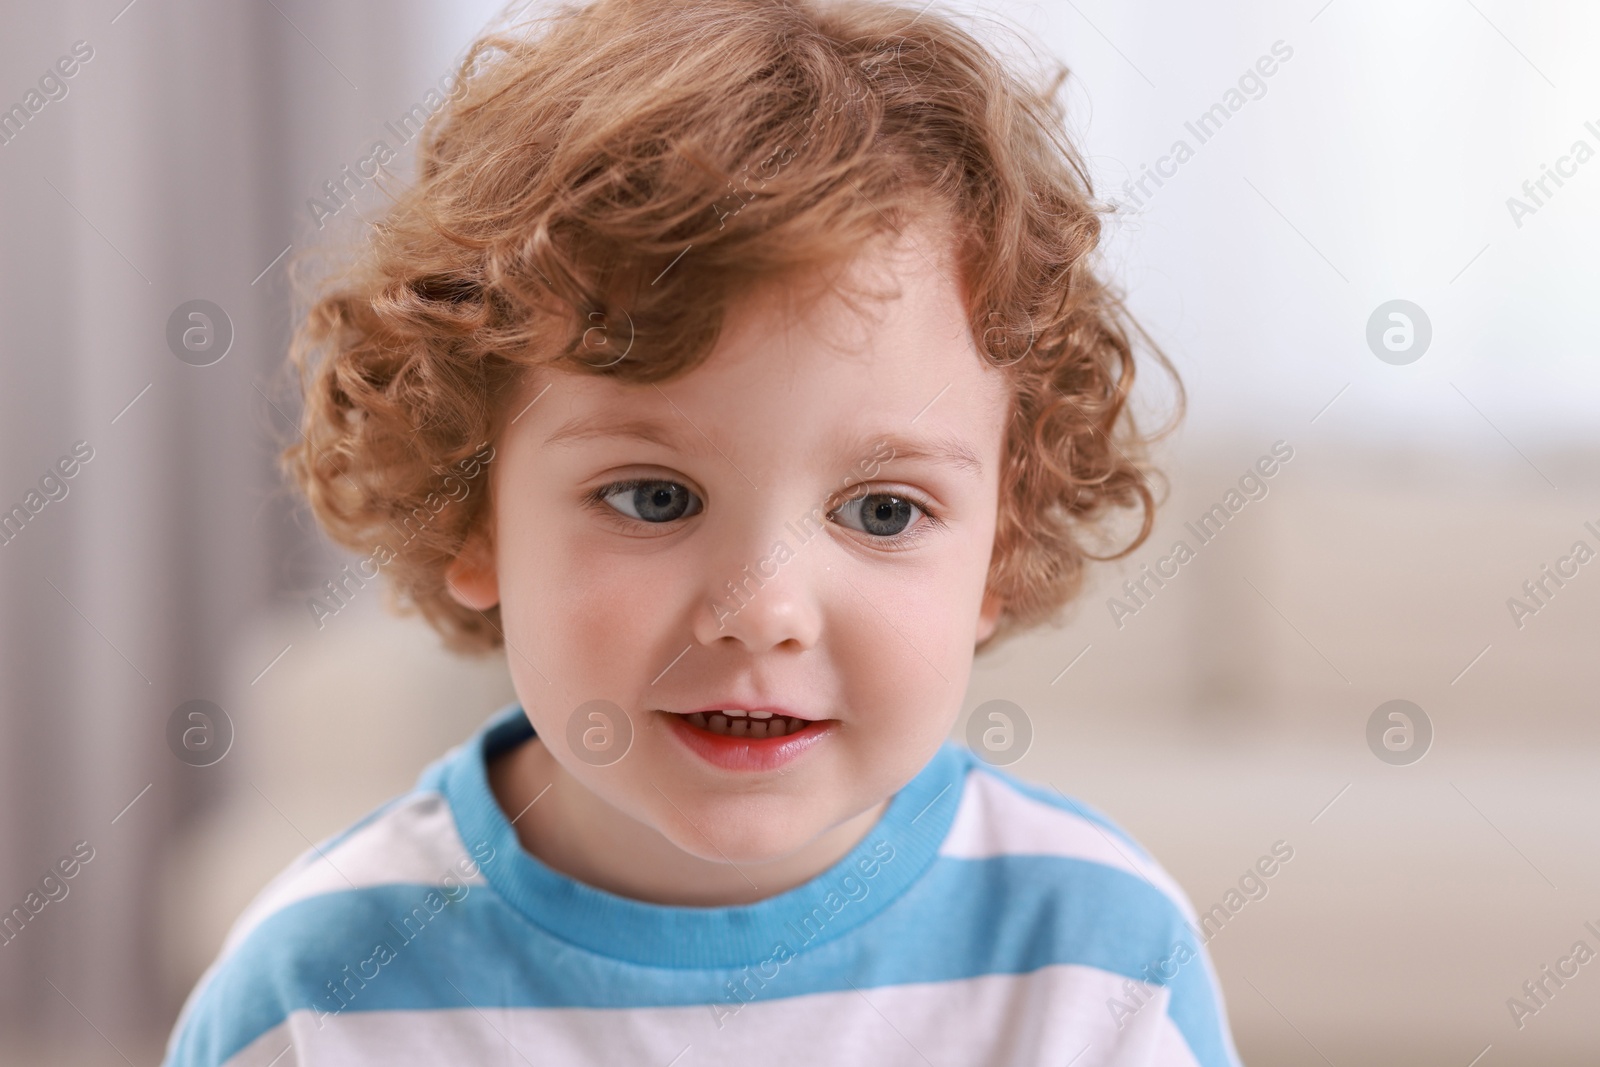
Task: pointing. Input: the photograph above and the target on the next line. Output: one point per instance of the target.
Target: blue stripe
(963, 919)
(508, 721)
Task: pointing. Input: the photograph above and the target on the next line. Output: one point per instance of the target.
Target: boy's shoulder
(1045, 879)
(1002, 816)
(411, 839)
(293, 948)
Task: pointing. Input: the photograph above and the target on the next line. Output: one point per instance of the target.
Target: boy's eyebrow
(587, 427)
(940, 448)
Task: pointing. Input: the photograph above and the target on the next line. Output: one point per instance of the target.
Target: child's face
(861, 617)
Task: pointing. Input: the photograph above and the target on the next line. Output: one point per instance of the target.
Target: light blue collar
(837, 901)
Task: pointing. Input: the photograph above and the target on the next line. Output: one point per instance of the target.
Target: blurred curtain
(175, 167)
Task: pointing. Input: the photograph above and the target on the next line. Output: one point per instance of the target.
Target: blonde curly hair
(580, 154)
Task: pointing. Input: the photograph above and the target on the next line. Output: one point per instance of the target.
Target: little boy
(773, 327)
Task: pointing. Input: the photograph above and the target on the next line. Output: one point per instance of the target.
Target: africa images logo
(800, 931)
(452, 889)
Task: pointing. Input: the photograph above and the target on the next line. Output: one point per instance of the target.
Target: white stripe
(415, 842)
(1048, 1016)
(1215, 982)
(996, 820)
(269, 1050)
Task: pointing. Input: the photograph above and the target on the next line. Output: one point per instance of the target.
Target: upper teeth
(739, 723)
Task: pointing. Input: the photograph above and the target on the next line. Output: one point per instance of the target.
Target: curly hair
(582, 154)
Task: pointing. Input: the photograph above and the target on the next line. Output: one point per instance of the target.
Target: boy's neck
(576, 833)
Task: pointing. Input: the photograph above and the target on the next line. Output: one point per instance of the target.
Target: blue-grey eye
(653, 501)
(879, 514)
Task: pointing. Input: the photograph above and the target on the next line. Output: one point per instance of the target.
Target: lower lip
(746, 753)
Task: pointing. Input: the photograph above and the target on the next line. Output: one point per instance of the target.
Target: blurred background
(1213, 715)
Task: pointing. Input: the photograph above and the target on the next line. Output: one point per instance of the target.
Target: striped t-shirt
(982, 921)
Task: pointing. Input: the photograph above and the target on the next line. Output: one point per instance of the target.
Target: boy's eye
(879, 514)
(651, 501)
(659, 501)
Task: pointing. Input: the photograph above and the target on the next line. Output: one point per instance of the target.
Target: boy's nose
(763, 600)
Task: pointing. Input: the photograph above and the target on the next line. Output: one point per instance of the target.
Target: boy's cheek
(895, 676)
(588, 615)
(934, 606)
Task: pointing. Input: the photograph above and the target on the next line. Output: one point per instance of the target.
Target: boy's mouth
(740, 739)
(750, 725)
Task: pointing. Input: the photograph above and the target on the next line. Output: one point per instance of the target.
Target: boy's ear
(988, 616)
(473, 579)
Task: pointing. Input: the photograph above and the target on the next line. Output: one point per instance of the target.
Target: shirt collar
(896, 852)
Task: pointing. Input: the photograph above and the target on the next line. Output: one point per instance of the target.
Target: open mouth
(739, 740)
(750, 725)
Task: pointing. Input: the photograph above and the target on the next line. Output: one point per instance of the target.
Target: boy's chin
(745, 838)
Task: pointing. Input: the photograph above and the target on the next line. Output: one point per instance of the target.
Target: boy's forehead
(947, 408)
(890, 358)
